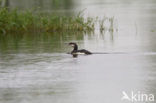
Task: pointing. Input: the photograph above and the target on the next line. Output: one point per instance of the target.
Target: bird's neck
(75, 47)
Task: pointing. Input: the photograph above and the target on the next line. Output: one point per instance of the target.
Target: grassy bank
(14, 21)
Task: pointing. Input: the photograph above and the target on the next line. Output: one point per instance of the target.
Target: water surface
(37, 69)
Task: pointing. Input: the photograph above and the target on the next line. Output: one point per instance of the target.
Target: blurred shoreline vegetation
(14, 21)
(27, 21)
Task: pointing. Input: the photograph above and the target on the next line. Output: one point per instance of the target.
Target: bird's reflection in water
(75, 55)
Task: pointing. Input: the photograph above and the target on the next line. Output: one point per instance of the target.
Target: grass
(107, 24)
(14, 21)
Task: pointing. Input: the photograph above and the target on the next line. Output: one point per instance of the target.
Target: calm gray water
(36, 69)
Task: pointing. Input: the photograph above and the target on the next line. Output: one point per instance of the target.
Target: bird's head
(74, 45)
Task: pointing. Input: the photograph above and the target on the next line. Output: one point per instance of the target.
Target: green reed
(14, 21)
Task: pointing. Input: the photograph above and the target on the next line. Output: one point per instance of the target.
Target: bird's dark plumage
(76, 51)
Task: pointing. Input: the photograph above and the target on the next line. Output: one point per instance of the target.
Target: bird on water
(77, 51)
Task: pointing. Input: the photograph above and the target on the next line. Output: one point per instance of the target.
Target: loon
(76, 51)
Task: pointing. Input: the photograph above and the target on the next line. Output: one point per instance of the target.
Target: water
(36, 69)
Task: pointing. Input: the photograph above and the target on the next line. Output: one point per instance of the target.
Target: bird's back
(84, 51)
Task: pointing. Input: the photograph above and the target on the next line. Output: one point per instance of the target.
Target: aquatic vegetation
(107, 24)
(101, 24)
(14, 21)
(111, 24)
(152, 30)
(27, 21)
